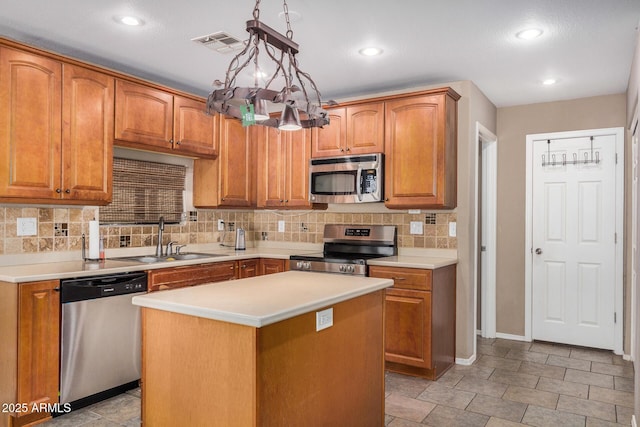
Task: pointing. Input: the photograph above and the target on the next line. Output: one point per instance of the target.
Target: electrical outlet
(415, 227)
(324, 319)
(27, 227)
(281, 226)
(220, 225)
(452, 229)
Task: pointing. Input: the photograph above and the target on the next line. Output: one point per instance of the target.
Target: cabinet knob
(348, 149)
(177, 142)
(286, 200)
(243, 266)
(171, 141)
(342, 149)
(67, 191)
(281, 201)
(58, 190)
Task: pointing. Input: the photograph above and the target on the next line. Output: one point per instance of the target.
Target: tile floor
(511, 383)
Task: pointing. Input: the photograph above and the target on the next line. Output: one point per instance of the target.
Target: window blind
(143, 192)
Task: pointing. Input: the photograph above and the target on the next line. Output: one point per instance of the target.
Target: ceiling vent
(221, 42)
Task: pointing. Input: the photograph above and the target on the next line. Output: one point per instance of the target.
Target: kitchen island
(293, 348)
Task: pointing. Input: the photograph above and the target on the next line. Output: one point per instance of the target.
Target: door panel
(574, 231)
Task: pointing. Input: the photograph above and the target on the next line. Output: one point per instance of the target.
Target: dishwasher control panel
(84, 288)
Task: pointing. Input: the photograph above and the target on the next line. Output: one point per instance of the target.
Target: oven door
(349, 179)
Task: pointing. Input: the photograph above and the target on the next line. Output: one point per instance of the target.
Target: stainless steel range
(347, 249)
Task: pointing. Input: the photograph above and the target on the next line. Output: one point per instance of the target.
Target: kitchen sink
(152, 259)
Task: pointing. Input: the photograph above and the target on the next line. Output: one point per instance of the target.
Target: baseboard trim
(627, 357)
(511, 337)
(466, 362)
(633, 421)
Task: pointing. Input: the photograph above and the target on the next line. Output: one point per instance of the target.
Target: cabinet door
(271, 266)
(247, 268)
(87, 134)
(236, 164)
(331, 140)
(143, 116)
(195, 131)
(38, 342)
(420, 163)
(365, 128)
(408, 327)
(30, 125)
(297, 155)
(271, 191)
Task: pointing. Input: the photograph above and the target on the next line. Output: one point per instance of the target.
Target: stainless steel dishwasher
(100, 338)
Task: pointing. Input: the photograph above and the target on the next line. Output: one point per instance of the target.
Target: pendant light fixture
(294, 99)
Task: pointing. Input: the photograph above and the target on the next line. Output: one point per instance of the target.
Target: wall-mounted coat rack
(592, 157)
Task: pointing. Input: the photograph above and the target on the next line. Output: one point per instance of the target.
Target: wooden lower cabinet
(189, 275)
(29, 354)
(282, 374)
(420, 320)
(247, 268)
(272, 265)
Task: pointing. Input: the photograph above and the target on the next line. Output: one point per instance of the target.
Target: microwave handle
(359, 183)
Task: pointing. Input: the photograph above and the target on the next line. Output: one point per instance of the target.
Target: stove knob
(307, 265)
(299, 265)
(341, 268)
(351, 268)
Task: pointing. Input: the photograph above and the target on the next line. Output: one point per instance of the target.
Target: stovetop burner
(347, 249)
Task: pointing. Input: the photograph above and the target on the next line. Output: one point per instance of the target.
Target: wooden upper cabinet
(144, 115)
(355, 129)
(421, 151)
(30, 125)
(194, 130)
(283, 171)
(87, 134)
(151, 118)
(56, 130)
(331, 139)
(236, 163)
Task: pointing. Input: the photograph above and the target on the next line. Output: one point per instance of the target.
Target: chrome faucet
(169, 250)
(160, 230)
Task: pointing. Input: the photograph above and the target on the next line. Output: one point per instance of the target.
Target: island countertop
(263, 300)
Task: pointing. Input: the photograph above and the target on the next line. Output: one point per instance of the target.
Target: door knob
(538, 251)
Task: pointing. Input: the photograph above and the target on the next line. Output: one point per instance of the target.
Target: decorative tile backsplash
(61, 229)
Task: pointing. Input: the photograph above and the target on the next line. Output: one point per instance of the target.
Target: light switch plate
(415, 227)
(452, 229)
(27, 227)
(324, 319)
(220, 225)
(281, 226)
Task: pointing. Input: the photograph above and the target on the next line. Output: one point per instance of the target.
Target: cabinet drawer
(189, 275)
(404, 278)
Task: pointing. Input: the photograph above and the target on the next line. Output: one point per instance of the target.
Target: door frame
(484, 137)
(619, 227)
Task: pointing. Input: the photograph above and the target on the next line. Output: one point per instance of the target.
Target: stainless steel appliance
(241, 243)
(347, 179)
(347, 249)
(100, 337)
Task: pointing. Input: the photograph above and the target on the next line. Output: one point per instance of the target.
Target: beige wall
(514, 124)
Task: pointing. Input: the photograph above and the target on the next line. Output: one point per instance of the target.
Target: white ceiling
(587, 45)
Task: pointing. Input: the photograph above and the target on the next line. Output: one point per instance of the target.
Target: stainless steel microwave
(347, 179)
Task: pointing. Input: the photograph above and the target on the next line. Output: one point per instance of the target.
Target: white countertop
(67, 269)
(263, 300)
(428, 262)
(55, 269)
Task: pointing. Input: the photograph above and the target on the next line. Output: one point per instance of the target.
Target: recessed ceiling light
(529, 33)
(370, 51)
(549, 82)
(132, 21)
